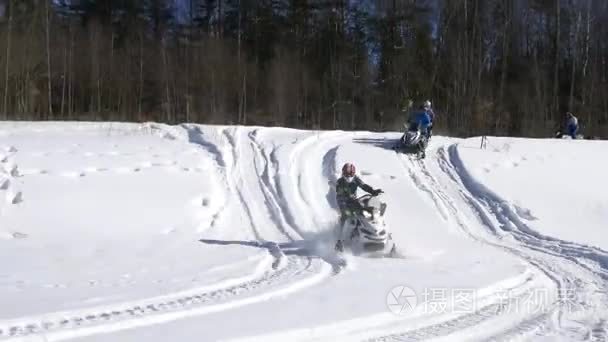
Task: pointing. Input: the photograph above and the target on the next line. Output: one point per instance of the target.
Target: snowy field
(129, 232)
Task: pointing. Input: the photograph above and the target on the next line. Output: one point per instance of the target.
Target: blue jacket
(422, 118)
(431, 114)
(572, 125)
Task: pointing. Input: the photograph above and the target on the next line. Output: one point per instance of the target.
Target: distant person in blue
(571, 125)
(422, 120)
(431, 113)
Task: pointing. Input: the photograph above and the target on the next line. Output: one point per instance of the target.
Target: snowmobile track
(596, 260)
(448, 211)
(583, 290)
(282, 274)
(271, 196)
(90, 321)
(486, 313)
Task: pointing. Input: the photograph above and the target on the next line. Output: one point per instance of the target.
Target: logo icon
(401, 299)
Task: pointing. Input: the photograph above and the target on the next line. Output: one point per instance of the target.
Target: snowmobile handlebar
(369, 195)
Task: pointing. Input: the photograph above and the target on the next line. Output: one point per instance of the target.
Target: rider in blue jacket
(421, 120)
(571, 125)
(431, 113)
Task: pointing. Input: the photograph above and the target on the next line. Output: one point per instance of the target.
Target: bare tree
(48, 57)
(558, 29)
(8, 57)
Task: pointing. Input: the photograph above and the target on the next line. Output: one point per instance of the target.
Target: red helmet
(348, 170)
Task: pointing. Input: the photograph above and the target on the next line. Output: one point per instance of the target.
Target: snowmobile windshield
(373, 207)
(374, 203)
(411, 137)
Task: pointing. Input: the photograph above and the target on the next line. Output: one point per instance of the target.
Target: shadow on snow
(387, 144)
(321, 246)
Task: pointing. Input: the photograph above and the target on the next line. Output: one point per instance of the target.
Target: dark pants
(347, 209)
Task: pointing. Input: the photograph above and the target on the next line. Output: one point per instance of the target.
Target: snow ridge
(589, 296)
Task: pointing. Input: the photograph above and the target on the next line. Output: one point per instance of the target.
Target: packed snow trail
(155, 232)
(580, 272)
(270, 274)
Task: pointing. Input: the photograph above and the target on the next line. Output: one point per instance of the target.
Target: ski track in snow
(579, 272)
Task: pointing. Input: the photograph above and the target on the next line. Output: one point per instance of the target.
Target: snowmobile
(368, 233)
(412, 141)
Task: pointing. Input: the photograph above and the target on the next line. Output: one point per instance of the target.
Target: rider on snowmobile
(431, 114)
(346, 193)
(571, 125)
(422, 119)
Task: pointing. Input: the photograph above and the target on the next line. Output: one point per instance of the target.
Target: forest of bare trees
(504, 67)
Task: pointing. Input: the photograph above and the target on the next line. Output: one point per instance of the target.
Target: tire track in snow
(195, 136)
(446, 328)
(297, 174)
(270, 184)
(282, 270)
(579, 271)
(269, 189)
(236, 174)
(328, 143)
(270, 179)
(528, 325)
(427, 184)
(271, 192)
(230, 166)
(418, 324)
(89, 321)
(281, 275)
(267, 182)
(508, 216)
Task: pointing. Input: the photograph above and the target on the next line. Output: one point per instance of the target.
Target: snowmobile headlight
(367, 214)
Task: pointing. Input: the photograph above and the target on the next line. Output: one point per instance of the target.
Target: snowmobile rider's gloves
(377, 192)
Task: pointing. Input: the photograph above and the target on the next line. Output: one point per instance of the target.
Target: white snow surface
(149, 232)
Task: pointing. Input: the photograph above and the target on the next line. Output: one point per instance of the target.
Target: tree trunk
(220, 19)
(238, 58)
(48, 57)
(557, 48)
(587, 44)
(141, 73)
(71, 73)
(574, 59)
(8, 58)
(505, 62)
(244, 101)
(166, 77)
(64, 76)
(110, 86)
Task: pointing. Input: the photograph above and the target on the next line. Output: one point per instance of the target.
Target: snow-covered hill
(126, 232)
